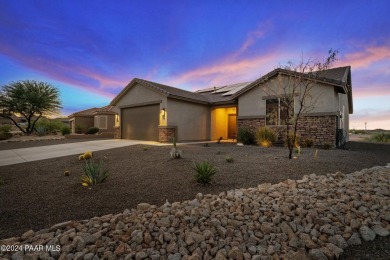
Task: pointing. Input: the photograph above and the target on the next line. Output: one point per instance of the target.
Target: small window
(277, 112)
(102, 122)
(272, 111)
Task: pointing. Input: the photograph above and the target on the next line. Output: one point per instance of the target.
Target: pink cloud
(371, 91)
(254, 36)
(72, 74)
(234, 67)
(365, 58)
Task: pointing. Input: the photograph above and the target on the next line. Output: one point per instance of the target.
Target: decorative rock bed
(316, 217)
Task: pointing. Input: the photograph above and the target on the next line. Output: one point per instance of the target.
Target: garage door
(140, 123)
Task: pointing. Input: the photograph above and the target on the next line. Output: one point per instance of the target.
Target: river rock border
(315, 217)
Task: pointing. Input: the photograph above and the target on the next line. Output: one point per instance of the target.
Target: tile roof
(86, 112)
(92, 111)
(339, 74)
(174, 92)
(227, 93)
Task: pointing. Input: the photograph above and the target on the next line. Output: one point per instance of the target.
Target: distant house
(152, 111)
(105, 118)
(17, 119)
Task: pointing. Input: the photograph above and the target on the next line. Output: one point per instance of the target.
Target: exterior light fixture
(163, 113)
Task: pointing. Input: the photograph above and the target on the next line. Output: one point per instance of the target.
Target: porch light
(163, 111)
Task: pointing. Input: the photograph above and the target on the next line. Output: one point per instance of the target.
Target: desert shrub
(146, 148)
(357, 131)
(5, 136)
(5, 128)
(92, 130)
(309, 142)
(5, 132)
(229, 159)
(78, 129)
(175, 153)
(298, 150)
(265, 136)
(40, 131)
(326, 146)
(382, 137)
(245, 136)
(204, 172)
(288, 140)
(65, 130)
(50, 126)
(93, 173)
(66, 173)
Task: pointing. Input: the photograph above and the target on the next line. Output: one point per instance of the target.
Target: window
(101, 122)
(277, 112)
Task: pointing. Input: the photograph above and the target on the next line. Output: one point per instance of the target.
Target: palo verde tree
(293, 90)
(30, 99)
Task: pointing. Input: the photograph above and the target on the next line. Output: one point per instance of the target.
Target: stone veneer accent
(117, 132)
(322, 129)
(166, 133)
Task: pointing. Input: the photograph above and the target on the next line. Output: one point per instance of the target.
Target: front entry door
(232, 127)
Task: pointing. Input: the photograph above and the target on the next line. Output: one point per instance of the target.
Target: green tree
(30, 99)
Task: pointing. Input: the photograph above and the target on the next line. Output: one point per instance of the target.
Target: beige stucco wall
(110, 123)
(83, 122)
(191, 119)
(139, 94)
(219, 122)
(252, 104)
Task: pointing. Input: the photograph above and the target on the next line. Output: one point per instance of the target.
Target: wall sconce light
(163, 113)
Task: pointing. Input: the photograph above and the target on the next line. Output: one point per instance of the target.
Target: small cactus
(87, 155)
(229, 159)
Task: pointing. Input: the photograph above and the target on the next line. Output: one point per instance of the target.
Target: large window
(277, 112)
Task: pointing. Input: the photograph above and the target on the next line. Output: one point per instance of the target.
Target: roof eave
(188, 99)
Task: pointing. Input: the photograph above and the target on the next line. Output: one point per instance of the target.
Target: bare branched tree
(293, 90)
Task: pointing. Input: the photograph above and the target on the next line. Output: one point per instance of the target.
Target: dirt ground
(37, 194)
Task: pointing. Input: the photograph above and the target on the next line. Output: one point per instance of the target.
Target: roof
(93, 111)
(339, 74)
(163, 89)
(222, 93)
(338, 77)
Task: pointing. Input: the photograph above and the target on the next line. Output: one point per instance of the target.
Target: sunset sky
(91, 49)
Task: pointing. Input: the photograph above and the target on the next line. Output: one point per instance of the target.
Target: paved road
(8, 157)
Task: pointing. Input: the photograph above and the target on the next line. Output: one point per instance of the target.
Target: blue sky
(92, 49)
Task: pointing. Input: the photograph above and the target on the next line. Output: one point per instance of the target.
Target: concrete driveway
(8, 157)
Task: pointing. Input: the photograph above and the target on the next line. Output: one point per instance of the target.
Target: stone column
(166, 133)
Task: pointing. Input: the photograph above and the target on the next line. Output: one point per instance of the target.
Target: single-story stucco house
(156, 112)
(105, 118)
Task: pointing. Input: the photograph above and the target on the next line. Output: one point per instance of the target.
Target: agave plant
(175, 153)
(204, 172)
(93, 173)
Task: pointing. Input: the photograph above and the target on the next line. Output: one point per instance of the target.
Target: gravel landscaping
(35, 142)
(316, 217)
(37, 194)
